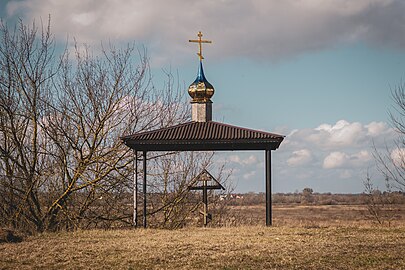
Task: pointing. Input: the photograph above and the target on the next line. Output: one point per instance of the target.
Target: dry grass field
(304, 237)
(312, 215)
(251, 247)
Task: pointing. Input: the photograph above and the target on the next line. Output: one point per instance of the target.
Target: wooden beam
(268, 188)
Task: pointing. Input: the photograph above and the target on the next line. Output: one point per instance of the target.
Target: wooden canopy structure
(202, 134)
(205, 136)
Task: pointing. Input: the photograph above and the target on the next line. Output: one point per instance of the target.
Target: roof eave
(204, 145)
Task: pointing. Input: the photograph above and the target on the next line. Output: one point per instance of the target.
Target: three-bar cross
(200, 41)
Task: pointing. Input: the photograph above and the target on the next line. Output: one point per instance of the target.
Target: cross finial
(200, 41)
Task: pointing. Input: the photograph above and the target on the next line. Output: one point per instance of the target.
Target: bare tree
(27, 67)
(62, 164)
(307, 196)
(391, 163)
(380, 205)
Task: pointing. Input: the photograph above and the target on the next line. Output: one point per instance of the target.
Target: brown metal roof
(203, 136)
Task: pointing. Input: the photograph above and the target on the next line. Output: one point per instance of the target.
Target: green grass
(252, 247)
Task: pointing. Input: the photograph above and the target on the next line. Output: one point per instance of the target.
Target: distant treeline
(309, 198)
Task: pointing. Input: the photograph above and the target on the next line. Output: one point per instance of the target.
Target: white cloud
(300, 157)
(249, 175)
(345, 174)
(235, 159)
(261, 29)
(360, 157)
(377, 128)
(335, 160)
(338, 151)
(84, 19)
(251, 159)
(398, 157)
(342, 133)
(339, 159)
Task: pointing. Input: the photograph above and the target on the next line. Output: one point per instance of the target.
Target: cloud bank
(328, 158)
(257, 29)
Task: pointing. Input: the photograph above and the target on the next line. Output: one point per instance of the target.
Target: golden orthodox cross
(200, 42)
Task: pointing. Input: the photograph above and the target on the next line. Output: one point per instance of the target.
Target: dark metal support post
(135, 217)
(144, 189)
(205, 202)
(268, 188)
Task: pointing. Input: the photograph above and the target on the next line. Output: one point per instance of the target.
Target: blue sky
(318, 71)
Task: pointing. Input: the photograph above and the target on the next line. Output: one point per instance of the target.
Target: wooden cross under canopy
(205, 181)
(201, 134)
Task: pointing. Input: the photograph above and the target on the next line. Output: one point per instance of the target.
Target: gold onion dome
(201, 90)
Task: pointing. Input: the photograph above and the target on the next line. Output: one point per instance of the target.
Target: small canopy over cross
(205, 180)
